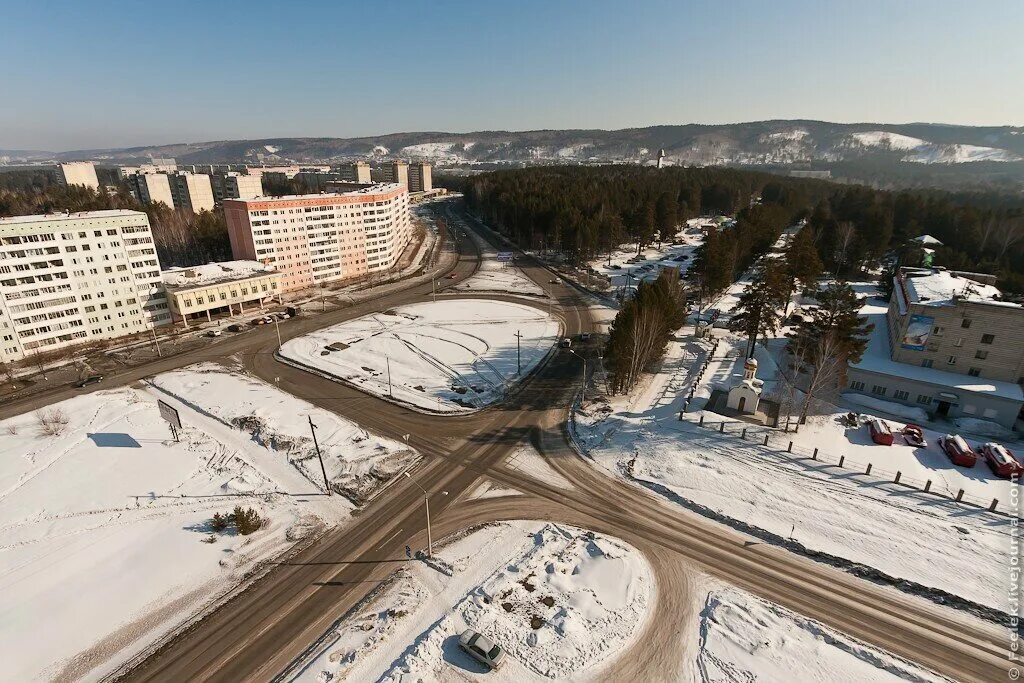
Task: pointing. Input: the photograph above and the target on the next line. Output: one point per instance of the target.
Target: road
(259, 632)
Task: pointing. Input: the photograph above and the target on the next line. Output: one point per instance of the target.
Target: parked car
(566, 343)
(86, 381)
(615, 266)
(914, 436)
(957, 450)
(1001, 460)
(881, 433)
(585, 336)
(213, 333)
(482, 648)
(554, 281)
(235, 327)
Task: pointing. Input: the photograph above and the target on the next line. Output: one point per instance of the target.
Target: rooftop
(369, 189)
(878, 358)
(65, 216)
(940, 287)
(213, 273)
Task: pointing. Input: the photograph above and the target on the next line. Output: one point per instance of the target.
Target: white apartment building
(156, 166)
(68, 279)
(234, 185)
(78, 173)
(312, 239)
(151, 188)
(191, 191)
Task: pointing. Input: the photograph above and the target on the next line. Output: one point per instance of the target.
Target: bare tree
(52, 421)
(1008, 233)
(845, 234)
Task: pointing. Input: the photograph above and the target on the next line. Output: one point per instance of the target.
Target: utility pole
(433, 288)
(426, 504)
(519, 359)
(583, 381)
(323, 470)
(157, 342)
(388, 361)
(278, 330)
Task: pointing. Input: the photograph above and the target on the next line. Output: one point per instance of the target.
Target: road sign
(169, 413)
(506, 256)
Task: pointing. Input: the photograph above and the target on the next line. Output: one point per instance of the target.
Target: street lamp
(583, 382)
(426, 503)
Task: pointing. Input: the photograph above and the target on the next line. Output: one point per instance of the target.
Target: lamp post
(583, 382)
(426, 504)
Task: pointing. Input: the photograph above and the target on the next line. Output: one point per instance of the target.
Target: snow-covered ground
(496, 276)
(560, 600)
(623, 274)
(744, 638)
(455, 355)
(357, 462)
(898, 531)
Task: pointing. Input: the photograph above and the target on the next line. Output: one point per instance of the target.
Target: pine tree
(757, 311)
(802, 264)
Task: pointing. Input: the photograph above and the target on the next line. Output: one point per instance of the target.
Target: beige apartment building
(948, 343)
(155, 166)
(78, 173)
(218, 289)
(191, 191)
(151, 188)
(71, 278)
(420, 177)
(235, 185)
(314, 239)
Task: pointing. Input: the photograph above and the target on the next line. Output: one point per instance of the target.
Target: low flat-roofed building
(221, 289)
(948, 343)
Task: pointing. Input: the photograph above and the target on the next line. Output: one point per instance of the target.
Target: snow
(436, 151)
(496, 276)
(527, 460)
(912, 413)
(794, 134)
(940, 286)
(195, 276)
(559, 600)
(959, 154)
(744, 638)
(897, 530)
(105, 527)
(878, 138)
(455, 355)
(356, 461)
(974, 425)
(877, 359)
(654, 259)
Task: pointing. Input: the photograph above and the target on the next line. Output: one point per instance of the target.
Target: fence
(764, 437)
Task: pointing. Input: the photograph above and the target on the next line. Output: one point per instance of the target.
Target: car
(1001, 460)
(451, 276)
(566, 343)
(585, 336)
(957, 450)
(880, 431)
(914, 436)
(213, 333)
(554, 281)
(235, 327)
(86, 381)
(615, 266)
(482, 649)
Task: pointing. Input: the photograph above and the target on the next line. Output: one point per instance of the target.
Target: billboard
(918, 330)
(169, 413)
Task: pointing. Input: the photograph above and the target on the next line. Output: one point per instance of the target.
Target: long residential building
(191, 191)
(151, 188)
(72, 278)
(78, 173)
(234, 185)
(313, 239)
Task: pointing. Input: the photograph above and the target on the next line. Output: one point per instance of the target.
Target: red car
(1001, 460)
(957, 450)
(880, 431)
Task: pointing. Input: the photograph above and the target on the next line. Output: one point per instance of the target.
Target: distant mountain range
(796, 143)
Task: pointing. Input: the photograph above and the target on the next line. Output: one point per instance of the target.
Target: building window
(926, 363)
(968, 409)
(987, 338)
(965, 323)
(878, 390)
(990, 412)
(974, 372)
(901, 395)
(981, 355)
(924, 400)
(951, 360)
(959, 342)
(857, 386)
(937, 331)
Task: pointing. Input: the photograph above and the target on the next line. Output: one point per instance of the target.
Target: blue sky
(96, 74)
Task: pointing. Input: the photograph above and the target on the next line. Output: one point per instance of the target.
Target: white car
(482, 649)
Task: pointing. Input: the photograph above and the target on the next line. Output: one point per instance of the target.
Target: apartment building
(151, 188)
(199, 292)
(155, 166)
(234, 185)
(948, 343)
(78, 173)
(68, 279)
(313, 239)
(356, 172)
(420, 177)
(191, 191)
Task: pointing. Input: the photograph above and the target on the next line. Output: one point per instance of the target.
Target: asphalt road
(261, 630)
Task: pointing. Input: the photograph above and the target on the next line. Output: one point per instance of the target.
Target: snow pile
(105, 528)
(912, 413)
(560, 601)
(743, 638)
(455, 355)
(195, 276)
(357, 462)
(974, 425)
